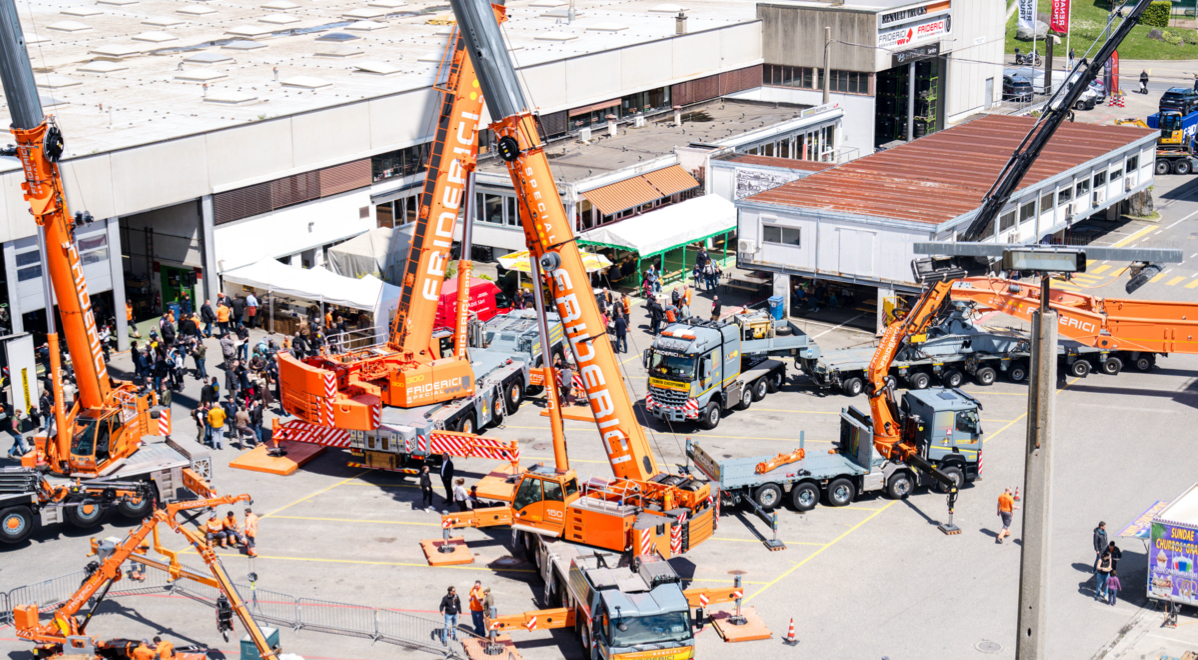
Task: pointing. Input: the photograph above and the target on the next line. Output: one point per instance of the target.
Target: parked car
(1098, 88)
(1016, 88)
(1181, 99)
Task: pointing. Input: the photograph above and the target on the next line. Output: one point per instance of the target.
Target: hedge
(1157, 14)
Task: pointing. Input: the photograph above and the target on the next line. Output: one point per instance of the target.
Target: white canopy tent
(678, 224)
(369, 293)
(381, 252)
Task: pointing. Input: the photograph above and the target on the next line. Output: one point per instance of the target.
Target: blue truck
(1175, 146)
(947, 431)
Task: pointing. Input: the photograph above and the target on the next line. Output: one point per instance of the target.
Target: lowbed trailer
(950, 439)
(953, 348)
(163, 471)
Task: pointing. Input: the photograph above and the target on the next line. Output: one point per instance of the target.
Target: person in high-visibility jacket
(144, 651)
(215, 530)
(251, 532)
(232, 530)
(165, 649)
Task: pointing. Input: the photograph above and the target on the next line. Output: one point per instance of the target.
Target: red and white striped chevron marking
(376, 414)
(576, 380)
(532, 623)
(446, 523)
(676, 534)
(164, 423)
(690, 409)
(298, 431)
(703, 601)
(979, 462)
(646, 540)
(649, 401)
(330, 391)
(471, 446)
(738, 594)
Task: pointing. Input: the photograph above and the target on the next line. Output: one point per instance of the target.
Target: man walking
(451, 607)
(426, 489)
(251, 310)
(716, 308)
(447, 477)
(621, 324)
(1100, 543)
(216, 421)
(566, 374)
(208, 317)
(1006, 507)
(19, 448)
(251, 532)
(199, 353)
(476, 609)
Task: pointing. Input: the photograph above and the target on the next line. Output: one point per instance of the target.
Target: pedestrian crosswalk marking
(1175, 280)
(1100, 269)
(1158, 277)
(1193, 284)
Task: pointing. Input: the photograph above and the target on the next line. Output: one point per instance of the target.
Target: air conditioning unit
(638, 121)
(1100, 197)
(745, 246)
(1129, 181)
(584, 134)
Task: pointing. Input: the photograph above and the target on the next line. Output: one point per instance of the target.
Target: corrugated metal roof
(622, 195)
(788, 163)
(670, 180)
(939, 177)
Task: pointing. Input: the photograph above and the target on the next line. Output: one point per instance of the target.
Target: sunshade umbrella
(519, 261)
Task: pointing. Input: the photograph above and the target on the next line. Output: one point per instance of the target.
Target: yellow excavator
(1173, 150)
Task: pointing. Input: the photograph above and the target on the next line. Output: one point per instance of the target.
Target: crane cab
(541, 497)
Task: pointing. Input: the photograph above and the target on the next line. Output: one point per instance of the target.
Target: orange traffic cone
(1017, 493)
(791, 640)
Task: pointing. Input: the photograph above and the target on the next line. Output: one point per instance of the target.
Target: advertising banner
(1059, 16)
(908, 34)
(1027, 14)
(22, 370)
(1171, 555)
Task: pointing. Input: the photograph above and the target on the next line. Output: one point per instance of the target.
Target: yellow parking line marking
(1156, 278)
(1175, 280)
(1193, 284)
(1100, 270)
(322, 490)
(1133, 237)
(817, 553)
(369, 522)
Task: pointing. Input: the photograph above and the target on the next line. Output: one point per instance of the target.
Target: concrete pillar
(572, 214)
(883, 294)
(911, 101)
(116, 269)
(208, 243)
(14, 300)
(296, 260)
(318, 258)
(782, 288)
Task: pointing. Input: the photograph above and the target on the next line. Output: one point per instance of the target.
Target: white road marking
(1182, 220)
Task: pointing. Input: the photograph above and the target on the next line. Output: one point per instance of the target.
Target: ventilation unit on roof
(338, 37)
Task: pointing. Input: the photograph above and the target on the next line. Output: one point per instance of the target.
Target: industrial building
(856, 223)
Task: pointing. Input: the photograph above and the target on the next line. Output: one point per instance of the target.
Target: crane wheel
(1145, 362)
(761, 388)
(985, 376)
(1080, 368)
(138, 509)
(16, 524)
(1163, 167)
(1112, 366)
(1182, 166)
(899, 486)
(768, 496)
(919, 380)
(465, 424)
(746, 398)
(951, 378)
(1017, 372)
(804, 496)
(513, 395)
(88, 513)
(955, 473)
(841, 492)
(775, 380)
(852, 386)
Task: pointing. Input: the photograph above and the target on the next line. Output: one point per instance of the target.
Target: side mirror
(645, 357)
(707, 367)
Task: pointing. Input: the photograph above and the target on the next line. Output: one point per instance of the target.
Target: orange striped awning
(622, 195)
(672, 179)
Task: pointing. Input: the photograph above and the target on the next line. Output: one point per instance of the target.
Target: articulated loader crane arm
(66, 628)
(550, 239)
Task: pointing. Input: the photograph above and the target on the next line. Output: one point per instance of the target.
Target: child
(1112, 587)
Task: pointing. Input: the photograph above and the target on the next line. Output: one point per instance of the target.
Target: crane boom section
(452, 156)
(1154, 326)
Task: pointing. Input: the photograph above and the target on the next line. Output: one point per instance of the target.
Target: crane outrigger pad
(292, 458)
(476, 649)
(752, 628)
(576, 413)
(457, 553)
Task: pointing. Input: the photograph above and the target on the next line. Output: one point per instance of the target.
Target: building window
(780, 235)
(513, 218)
(849, 82)
(1006, 221)
(1099, 179)
(1064, 195)
(402, 162)
(93, 249)
(29, 265)
(1046, 202)
(650, 101)
(1132, 163)
(1116, 175)
(496, 209)
(1027, 211)
(779, 75)
(1083, 189)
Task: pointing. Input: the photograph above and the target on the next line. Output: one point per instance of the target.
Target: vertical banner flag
(1027, 14)
(1113, 88)
(1059, 21)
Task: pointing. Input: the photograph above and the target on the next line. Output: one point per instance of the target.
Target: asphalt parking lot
(872, 579)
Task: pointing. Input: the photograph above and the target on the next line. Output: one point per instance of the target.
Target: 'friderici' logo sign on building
(909, 13)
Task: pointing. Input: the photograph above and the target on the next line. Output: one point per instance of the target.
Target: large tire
(760, 388)
(711, 416)
(768, 496)
(137, 510)
(1017, 372)
(900, 485)
(16, 524)
(1080, 368)
(841, 492)
(957, 475)
(804, 496)
(1145, 362)
(746, 399)
(1163, 167)
(88, 513)
(513, 395)
(774, 380)
(1182, 166)
(465, 424)
(985, 376)
(1112, 366)
(919, 380)
(852, 386)
(952, 378)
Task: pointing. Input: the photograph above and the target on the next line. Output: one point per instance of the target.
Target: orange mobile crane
(1129, 331)
(64, 635)
(100, 438)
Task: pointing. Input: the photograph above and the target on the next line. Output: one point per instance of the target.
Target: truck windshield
(656, 628)
(672, 366)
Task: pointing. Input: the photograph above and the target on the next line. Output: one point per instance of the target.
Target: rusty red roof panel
(939, 177)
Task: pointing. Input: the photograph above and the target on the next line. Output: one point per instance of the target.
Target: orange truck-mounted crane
(65, 634)
(635, 510)
(101, 437)
(1129, 331)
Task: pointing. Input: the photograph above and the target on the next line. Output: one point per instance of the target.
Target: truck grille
(669, 397)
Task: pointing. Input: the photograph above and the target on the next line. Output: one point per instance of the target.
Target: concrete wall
(978, 36)
(856, 130)
(795, 36)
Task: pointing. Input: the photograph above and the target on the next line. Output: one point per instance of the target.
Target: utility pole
(827, 65)
(1037, 482)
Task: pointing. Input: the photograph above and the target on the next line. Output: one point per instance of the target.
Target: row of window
(398, 163)
(816, 144)
(92, 249)
(781, 235)
(1064, 195)
(802, 77)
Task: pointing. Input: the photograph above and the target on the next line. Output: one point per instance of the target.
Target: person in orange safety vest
(232, 530)
(215, 530)
(251, 532)
(165, 649)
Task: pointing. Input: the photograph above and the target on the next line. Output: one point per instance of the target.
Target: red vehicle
(486, 300)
